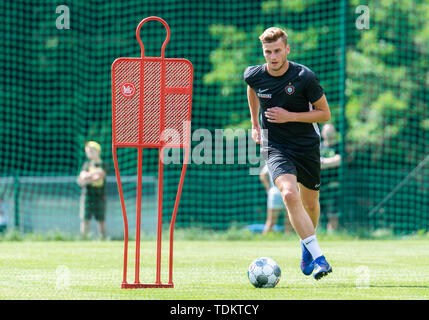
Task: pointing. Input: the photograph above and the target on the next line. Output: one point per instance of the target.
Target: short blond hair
(93, 144)
(272, 35)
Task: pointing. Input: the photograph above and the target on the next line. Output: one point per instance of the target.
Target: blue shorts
(274, 199)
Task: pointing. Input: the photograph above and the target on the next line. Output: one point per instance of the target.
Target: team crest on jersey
(290, 89)
(128, 89)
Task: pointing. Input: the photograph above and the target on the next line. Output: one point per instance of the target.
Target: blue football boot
(307, 264)
(321, 268)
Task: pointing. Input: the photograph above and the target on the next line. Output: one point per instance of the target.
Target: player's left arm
(97, 175)
(320, 113)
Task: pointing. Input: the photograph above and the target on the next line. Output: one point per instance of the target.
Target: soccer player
(292, 103)
(93, 197)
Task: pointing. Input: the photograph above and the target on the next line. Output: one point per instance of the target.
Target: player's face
(275, 54)
(91, 153)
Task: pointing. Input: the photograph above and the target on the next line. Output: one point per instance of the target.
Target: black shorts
(304, 165)
(92, 206)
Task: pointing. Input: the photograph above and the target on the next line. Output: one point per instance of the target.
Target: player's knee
(311, 206)
(290, 196)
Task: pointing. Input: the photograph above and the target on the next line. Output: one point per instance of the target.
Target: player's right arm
(84, 175)
(253, 101)
(83, 178)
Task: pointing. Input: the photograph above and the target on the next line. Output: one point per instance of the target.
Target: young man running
(292, 103)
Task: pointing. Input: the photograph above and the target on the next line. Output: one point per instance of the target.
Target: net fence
(372, 62)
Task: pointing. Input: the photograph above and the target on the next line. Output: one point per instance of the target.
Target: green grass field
(212, 270)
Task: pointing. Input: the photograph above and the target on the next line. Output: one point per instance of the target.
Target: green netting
(56, 93)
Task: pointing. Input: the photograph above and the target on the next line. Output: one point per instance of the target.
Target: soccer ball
(264, 273)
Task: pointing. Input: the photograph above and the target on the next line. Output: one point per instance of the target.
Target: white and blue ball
(264, 272)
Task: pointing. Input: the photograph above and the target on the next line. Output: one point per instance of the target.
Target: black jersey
(95, 189)
(294, 91)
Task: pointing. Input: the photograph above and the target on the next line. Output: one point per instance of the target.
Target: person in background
(91, 179)
(275, 203)
(330, 161)
(4, 214)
